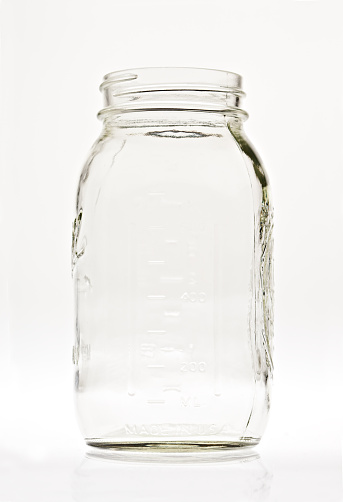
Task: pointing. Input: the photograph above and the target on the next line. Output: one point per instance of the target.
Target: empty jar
(172, 266)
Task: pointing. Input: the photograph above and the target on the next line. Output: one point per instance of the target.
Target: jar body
(172, 255)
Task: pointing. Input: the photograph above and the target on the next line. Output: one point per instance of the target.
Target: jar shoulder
(250, 154)
(114, 157)
(99, 160)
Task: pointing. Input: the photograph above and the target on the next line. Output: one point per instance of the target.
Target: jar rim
(172, 88)
(174, 77)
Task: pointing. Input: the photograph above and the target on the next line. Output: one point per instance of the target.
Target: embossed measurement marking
(190, 401)
(172, 313)
(147, 349)
(194, 366)
(178, 261)
(175, 388)
(193, 296)
(171, 349)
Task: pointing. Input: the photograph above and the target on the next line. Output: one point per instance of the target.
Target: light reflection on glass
(105, 475)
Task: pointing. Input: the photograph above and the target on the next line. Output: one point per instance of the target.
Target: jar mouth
(172, 88)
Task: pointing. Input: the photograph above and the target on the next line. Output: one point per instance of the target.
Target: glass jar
(172, 266)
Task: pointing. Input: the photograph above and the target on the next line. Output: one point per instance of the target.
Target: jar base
(177, 446)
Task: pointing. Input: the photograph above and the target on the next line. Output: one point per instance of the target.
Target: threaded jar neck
(172, 89)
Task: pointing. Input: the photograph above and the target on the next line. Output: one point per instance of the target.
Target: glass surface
(284, 472)
(172, 265)
(203, 477)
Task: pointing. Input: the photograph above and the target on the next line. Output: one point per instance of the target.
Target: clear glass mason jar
(173, 268)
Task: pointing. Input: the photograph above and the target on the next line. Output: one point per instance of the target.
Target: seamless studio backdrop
(54, 55)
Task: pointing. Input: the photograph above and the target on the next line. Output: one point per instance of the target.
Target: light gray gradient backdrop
(54, 55)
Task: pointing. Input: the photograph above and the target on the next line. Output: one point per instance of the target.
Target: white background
(54, 55)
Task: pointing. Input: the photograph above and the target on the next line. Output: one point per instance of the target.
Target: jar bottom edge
(178, 446)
